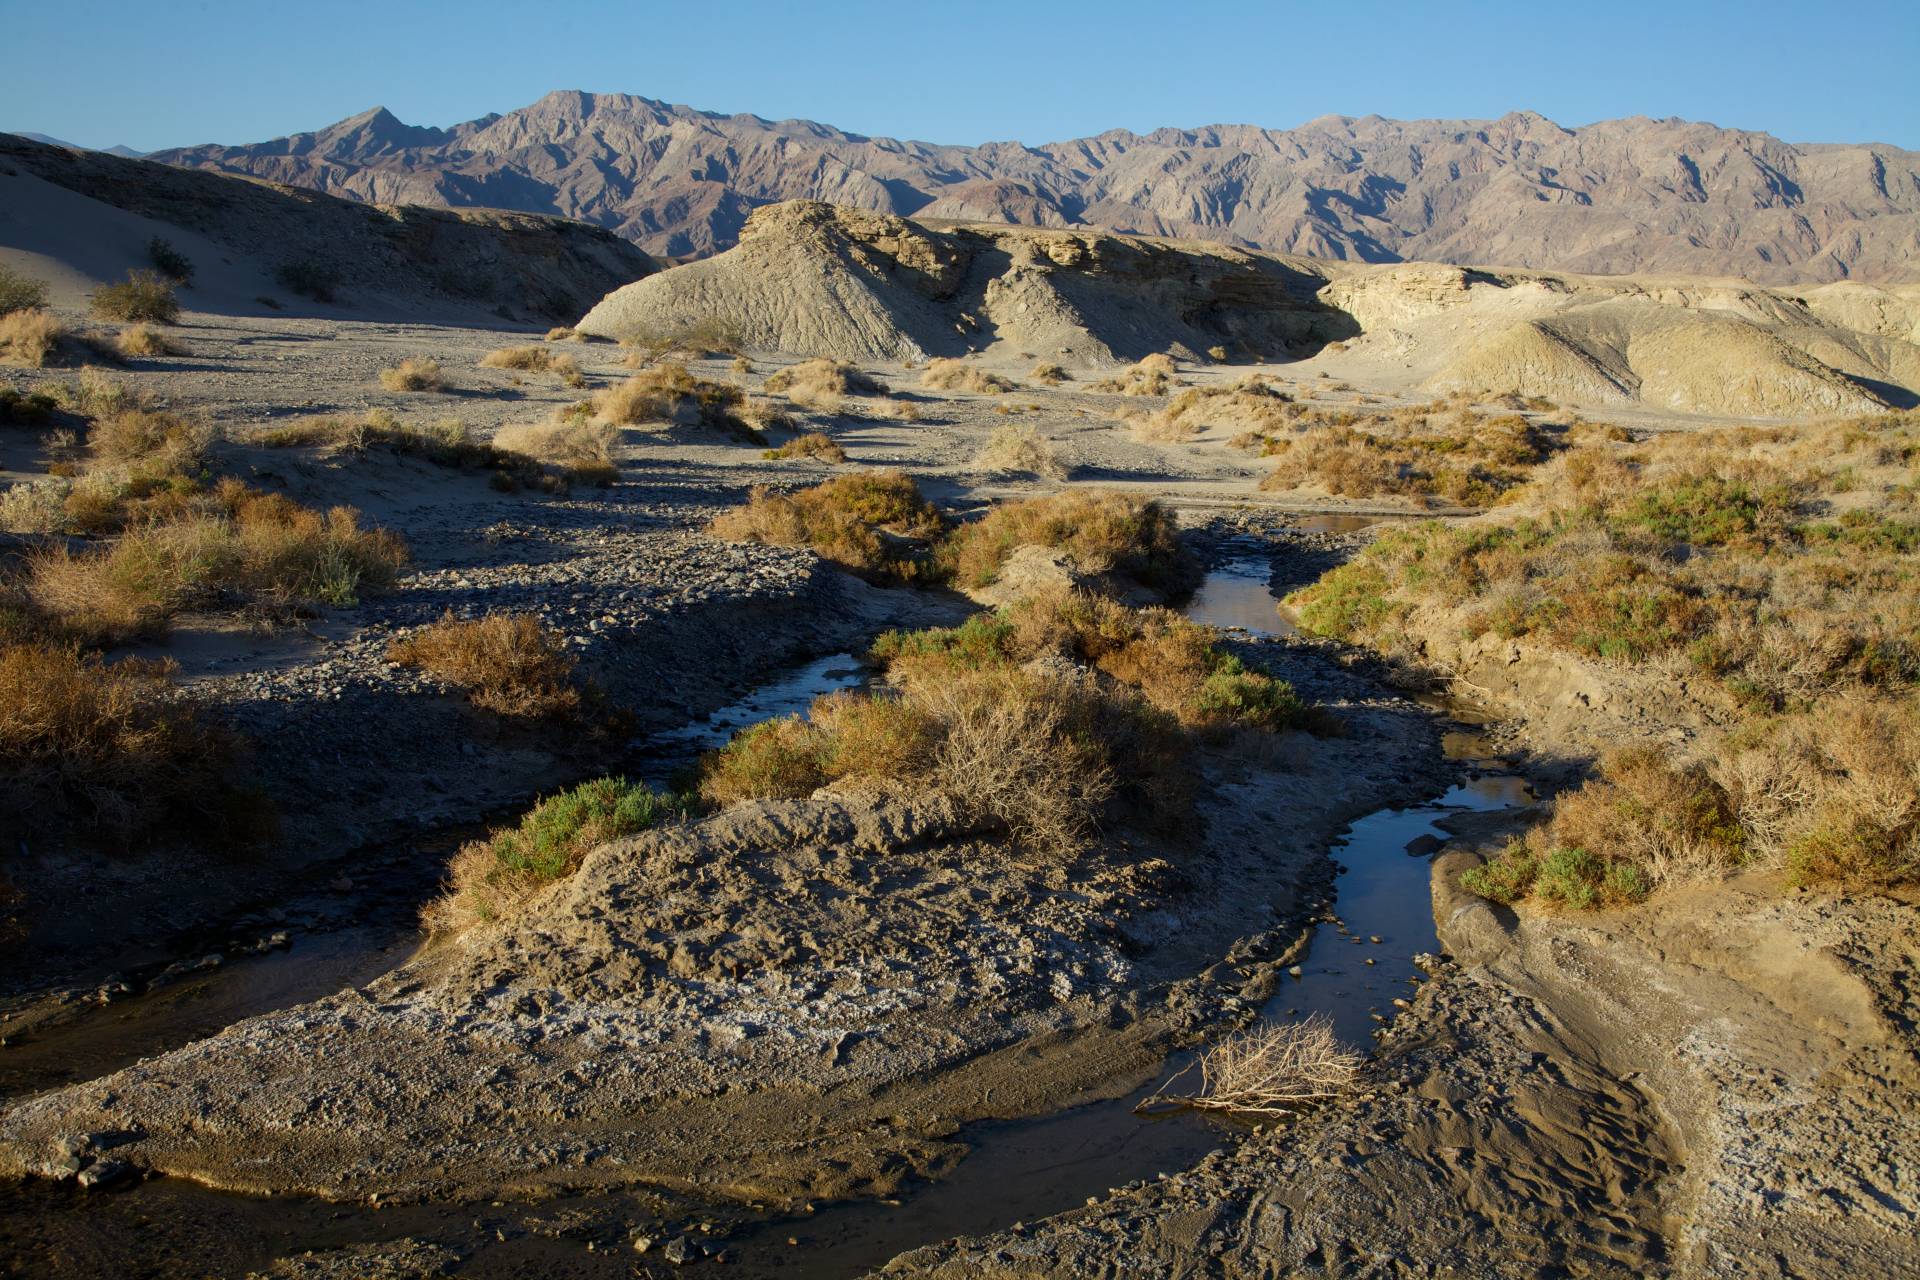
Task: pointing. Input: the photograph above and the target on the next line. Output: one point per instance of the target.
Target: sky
(100, 72)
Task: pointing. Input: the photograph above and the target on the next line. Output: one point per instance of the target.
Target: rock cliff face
(1620, 196)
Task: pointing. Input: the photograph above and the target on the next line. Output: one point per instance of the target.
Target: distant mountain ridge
(1621, 196)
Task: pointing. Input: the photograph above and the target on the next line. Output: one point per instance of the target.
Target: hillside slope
(78, 218)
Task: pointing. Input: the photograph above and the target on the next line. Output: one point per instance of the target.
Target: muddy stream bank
(1359, 959)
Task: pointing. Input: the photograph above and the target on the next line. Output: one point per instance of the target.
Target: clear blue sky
(174, 72)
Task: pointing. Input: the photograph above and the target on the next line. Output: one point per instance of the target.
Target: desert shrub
(943, 374)
(510, 664)
(1466, 459)
(489, 879)
(876, 524)
(20, 293)
(583, 451)
(1047, 374)
(1101, 531)
(309, 279)
(143, 295)
(814, 444)
(112, 748)
(153, 439)
(143, 341)
(561, 333)
(1218, 354)
(230, 545)
(1020, 450)
(845, 735)
(446, 443)
(708, 337)
(668, 393)
(169, 261)
(536, 360)
(820, 384)
(25, 408)
(30, 338)
(1174, 665)
(1153, 376)
(415, 373)
(1275, 1068)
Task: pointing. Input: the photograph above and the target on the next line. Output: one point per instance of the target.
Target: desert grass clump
(814, 444)
(445, 443)
(561, 333)
(1152, 376)
(1102, 531)
(415, 373)
(945, 374)
(225, 547)
(876, 524)
(1047, 374)
(142, 296)
(20, 293)
(489, 879)
(696, 339)
(510, 664)
(30, 338)
(112, 748)
(1020, 450)
(820, 384)
(143, 341)
(536, 360)
(581, 450)
(1273, 1069)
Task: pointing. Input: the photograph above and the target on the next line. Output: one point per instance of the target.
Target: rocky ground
(790, 1003)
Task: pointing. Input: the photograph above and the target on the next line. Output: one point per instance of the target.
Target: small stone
(1297, 972)
(103, 1173)
(680, 1251)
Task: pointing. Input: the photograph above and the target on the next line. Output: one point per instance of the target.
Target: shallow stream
(1354, 967)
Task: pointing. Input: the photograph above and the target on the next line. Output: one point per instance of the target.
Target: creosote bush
(415, 373)
(169, 261)
(20, 293)
(510, 664)
(142, 296)
(489, 879)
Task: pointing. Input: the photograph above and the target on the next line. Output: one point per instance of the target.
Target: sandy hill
(76, 218)
(813, 279)
(1617, 197)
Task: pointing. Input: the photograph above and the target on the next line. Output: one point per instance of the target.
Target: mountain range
(1631, 195)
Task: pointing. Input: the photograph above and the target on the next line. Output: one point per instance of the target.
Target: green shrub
(309, 279)
(20, 293)
(491, 877)
(143, 295)
(169, 261)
